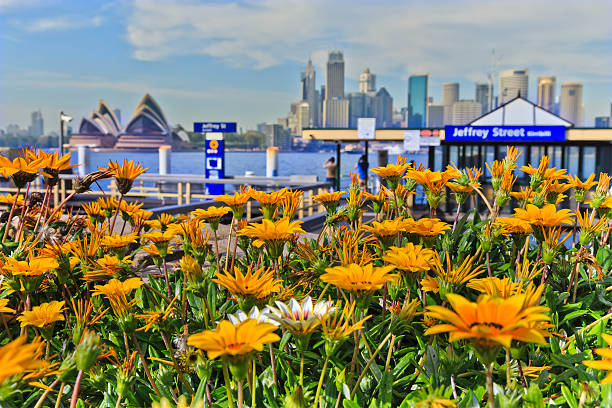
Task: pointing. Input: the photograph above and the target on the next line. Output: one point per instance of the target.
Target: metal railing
(180, 190)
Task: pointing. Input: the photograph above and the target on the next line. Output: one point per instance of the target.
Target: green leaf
(569, 397)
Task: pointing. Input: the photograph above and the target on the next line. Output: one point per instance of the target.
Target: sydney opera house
(147, 129)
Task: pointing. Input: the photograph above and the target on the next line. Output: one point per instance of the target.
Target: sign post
(214, 149)
(505, 133)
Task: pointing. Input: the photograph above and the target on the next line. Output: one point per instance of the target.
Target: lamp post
(63, 118)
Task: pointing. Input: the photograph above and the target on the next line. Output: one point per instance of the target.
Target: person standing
(362, 167)
(330, 166)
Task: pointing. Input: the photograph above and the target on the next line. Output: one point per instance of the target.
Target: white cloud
(63, 23)
(448, 39)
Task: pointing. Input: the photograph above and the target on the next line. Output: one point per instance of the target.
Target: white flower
(300, 319)
(262, 316)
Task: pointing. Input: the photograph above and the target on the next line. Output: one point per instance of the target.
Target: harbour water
(237, 163)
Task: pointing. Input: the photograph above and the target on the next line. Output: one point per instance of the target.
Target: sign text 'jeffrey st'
(504, 133)
(223, 127)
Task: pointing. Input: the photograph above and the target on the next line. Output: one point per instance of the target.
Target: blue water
(237, 163)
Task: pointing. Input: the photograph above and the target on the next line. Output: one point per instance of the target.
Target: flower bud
(87, 351)
(68, 369)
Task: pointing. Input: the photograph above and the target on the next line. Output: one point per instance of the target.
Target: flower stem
(60, 392)
(508, 375)
(75, 392)
(228, 389)
(302, 368)
(145, 365)
(273, 365)
(229, 241)
(240, 393)
(166, 277)
(10, 218)
(47, 391)
(369, 363)
(112, 227)
(320, 385)
(490, 385)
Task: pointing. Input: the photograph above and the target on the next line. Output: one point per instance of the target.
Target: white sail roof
(520, 112)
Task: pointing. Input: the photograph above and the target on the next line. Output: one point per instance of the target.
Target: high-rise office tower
(308, 90)
(383, 103)
(367, 82)
(546, 92)
(570, 103)
(482, 96)
(37, 126)
(602, 121)
(435, 115)
(417, 100)
(335, 75)
(361, 105)
(513, 82)
(450, 95)
(465, 111)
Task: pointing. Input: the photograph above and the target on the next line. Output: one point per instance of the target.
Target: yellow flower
(191, 269)
(118, 241)
(504, 288)
(211, 215)
(547, 216)
(158, 237)
(605, 363)
(234, 341)
(386, 228)
(449, 278)
(53, 165)
(410, 258)
(32, 268)
(236, 202)
(392, 172)
(273, 234)
(116, 291)
(336, 326)
(268, 201)
(589, 228)
(258, 284)
(427, 227)
(327, 197)
(157, 317)
(125, 174)
(22, 170)
(4, 308)
(513, 226)
(359, 279)
(11, 198)
(489, 321)
(103, 268)
(154, 252)
(43, 316)
(18, 357)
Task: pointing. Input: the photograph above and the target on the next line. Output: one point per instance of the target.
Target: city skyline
(250, 76)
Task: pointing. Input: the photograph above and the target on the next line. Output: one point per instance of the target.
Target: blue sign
(223, 127)
(214, 167)
(514, 134)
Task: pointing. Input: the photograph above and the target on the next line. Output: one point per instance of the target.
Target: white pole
(84, 160)
(272, 161)
(164, 159)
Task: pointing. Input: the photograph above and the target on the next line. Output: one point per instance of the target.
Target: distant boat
(353, 149)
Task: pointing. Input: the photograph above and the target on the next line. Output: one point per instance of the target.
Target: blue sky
(241, 61)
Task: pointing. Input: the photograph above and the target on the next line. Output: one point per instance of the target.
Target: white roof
(520, 112)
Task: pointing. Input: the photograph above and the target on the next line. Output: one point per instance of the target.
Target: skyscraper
(383, 103)
(435, 115)
(335, 75)
(546, 92)
(450, 95)
(482, 96)
(307, 91)
(570, 103)
(367, 82)
(465, 111)
(417, 100)
(602, 121)
(361, 105)
(513, 82)
(37, 126)
(336, 113)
